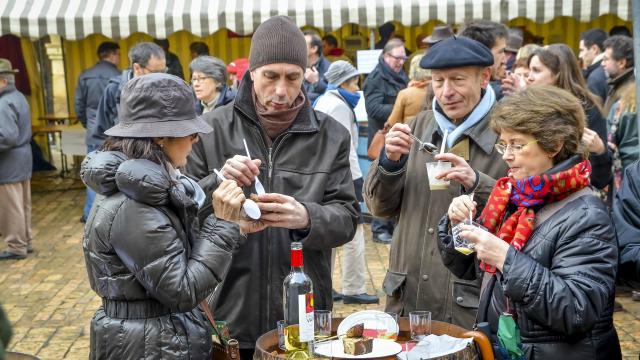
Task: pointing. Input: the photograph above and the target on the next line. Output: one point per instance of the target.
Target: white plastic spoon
(250, 207)
(258, 184)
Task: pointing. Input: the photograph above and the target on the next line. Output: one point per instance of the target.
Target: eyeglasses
(200, 79)
(399, 58)
(514, 148)
(161, 71)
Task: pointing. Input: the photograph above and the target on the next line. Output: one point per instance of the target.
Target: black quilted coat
(148, 264)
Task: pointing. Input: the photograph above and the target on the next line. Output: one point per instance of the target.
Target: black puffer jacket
(561, 283)
(626, 218)
(147, 262)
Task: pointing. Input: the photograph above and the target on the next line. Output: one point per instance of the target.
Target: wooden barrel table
(267, 344)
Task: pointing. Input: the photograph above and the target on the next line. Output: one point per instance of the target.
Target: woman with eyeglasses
(548, 256)
(209, 81)
(557, 65)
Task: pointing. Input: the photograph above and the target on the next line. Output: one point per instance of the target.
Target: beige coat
(416, 278)
(408, 104)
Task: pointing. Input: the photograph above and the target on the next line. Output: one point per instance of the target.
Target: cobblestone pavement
(49, 301)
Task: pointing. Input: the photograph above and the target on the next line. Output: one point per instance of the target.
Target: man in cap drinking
(397, 184)
(301, 157)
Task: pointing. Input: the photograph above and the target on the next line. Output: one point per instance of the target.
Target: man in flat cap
(397, 184)
(15, 167)
(301, 157)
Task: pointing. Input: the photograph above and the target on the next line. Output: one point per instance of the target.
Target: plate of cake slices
(358, 348)
(354, 343)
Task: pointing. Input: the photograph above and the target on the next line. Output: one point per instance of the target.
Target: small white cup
(434, 169)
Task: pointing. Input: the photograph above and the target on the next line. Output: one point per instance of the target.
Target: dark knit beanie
(278, 40)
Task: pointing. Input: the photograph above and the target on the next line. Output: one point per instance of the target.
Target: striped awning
(76, 19)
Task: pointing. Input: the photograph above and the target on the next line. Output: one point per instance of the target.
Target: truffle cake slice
(357, 345)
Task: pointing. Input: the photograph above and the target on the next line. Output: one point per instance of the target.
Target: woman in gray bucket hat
(146, 256)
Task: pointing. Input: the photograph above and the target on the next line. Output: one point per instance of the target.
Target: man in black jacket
(301, 157)
(591, 53)
(380, 91)
(91, 85)
(93, 81)
(314, 82)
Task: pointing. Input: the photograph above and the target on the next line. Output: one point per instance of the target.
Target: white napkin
(434, 346)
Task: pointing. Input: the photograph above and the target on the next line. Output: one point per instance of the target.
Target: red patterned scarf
(526, 194)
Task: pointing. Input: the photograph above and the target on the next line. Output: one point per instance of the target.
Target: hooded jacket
(147, 261)
(309, 162)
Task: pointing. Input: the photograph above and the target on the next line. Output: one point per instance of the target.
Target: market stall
(225, 26)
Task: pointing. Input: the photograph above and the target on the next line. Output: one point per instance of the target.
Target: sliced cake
(357, 345)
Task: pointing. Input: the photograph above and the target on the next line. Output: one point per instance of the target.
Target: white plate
(372, 320)
(380, 348)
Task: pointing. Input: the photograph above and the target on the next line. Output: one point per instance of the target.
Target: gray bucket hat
(339, 72)
(157, 105)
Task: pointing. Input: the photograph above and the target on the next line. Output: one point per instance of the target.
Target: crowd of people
(543, 152)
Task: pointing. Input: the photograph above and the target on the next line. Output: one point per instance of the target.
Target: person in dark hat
(146, 256)
(439, 33)
(514, 43)
(15, 167)
(397, 184)
(301, 158)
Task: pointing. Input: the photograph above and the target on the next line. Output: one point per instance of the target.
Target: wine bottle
(297, 290)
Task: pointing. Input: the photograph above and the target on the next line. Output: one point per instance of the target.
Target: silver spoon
(250, 207)
(424, 146)
(258, 184)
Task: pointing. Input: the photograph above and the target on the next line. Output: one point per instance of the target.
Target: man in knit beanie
(301, 159)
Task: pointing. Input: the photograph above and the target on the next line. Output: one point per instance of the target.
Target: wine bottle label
(305, 316)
